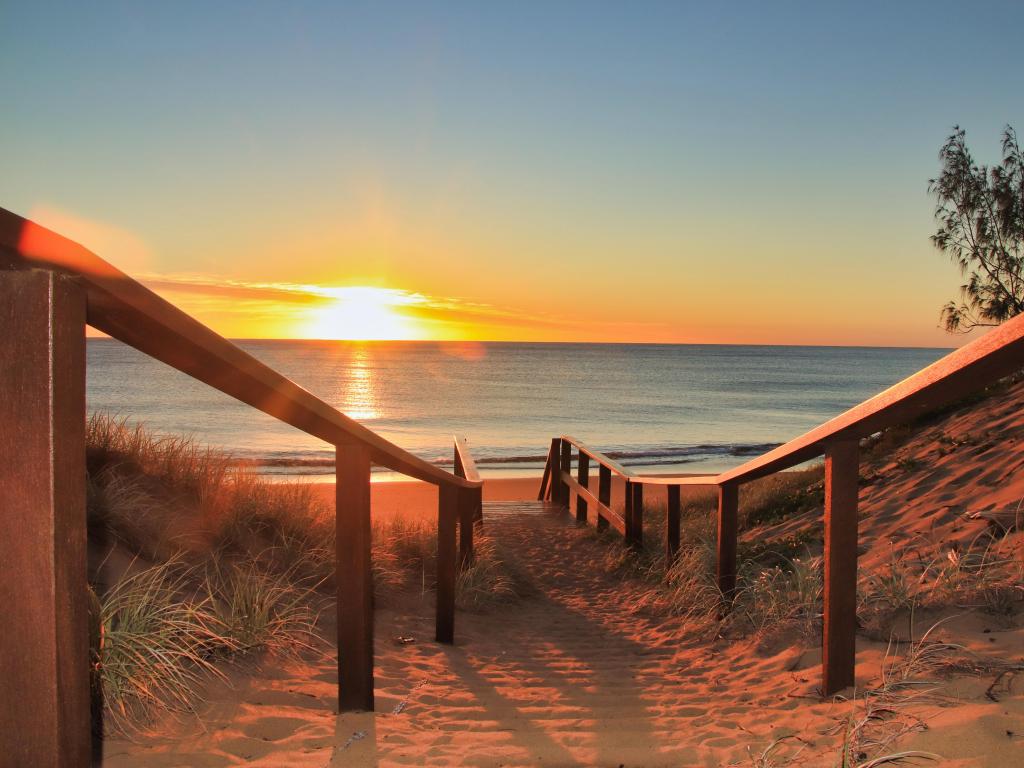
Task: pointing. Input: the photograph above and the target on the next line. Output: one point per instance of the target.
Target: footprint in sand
(273, 728)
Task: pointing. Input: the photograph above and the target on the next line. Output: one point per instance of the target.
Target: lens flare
(363, 314)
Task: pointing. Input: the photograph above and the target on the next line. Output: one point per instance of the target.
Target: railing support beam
(470, 500)
(547, 481)
(638, 516)
(354, 576)
(728, 525)
(583, 477)
(672, 515)
(447, 514)
(627, 511)
(564, 465)
(44, 652)
(634, 514)
(604, 494)
(840, 626)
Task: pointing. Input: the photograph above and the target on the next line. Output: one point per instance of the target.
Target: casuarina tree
(980, 213)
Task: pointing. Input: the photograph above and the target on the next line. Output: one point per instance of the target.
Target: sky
(641, 172)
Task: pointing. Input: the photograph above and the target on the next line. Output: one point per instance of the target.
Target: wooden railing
(50, 288)
(559, 485)
(983, 361)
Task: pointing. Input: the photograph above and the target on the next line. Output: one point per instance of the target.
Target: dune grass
(779, 589)
(225, 565)
(157, 642)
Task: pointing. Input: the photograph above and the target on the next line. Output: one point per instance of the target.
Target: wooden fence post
(672, 513)
(354, 576)
(638, 515)
(728, 524)
(447, 513)
(564, 465)
(840, 630)
(469, 504)
(604, 493)
(627, 511)
(583, 477)
(547, 481)
(44, 650)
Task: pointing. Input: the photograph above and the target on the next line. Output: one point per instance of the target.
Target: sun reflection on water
(360, 398)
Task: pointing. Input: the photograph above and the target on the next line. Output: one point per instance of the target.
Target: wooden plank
(583, 473)
(354, 579)
(604, 495)
(470, 503)
(627, 511)
(638, 516)
(597, 456)
(447, 513)
(130, 312)
(44, 650)
(546, 481)
(604, 511)
(728, 524)
(469, 507)
(465, 464)
(840, 630)
(672, 515)
(700, 481)
(564, 466)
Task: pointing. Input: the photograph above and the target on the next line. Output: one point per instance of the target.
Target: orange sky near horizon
(258, 295)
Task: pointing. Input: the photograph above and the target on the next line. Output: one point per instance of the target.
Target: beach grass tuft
(158, 640)
(225, 565)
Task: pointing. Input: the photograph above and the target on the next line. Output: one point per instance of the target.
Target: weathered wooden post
(354, 576)
(583, 477)
(627, 511)
(469, 505)
(672, 514)
(447, 512)
(604, 493)
(564, 465)
(547, 480)
(728, 524)
(468, 509)
(638, 515)
(44, 651)
(840, 631)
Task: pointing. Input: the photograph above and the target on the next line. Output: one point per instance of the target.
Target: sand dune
(570, 676)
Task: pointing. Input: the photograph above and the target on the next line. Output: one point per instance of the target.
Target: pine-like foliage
(980, 213)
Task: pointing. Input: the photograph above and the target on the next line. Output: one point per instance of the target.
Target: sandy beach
(414, 498)
(570, 676)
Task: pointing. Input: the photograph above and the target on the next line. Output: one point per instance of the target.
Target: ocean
(655, 407)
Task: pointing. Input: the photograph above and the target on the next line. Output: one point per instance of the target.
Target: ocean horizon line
(455, 342)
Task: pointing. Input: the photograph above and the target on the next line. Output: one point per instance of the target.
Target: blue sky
(750, 172)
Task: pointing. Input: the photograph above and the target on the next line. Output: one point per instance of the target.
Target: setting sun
(363, 314)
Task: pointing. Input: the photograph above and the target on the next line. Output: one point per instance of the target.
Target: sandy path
(566, 677)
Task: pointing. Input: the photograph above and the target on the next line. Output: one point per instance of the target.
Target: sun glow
(363, 314)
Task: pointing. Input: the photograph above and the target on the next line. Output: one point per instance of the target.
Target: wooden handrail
(51, 289)
(469, 502)
(599, 457)
(465, 466)
(625, 472)
(131, 313)
(985, 360)
(974, 366)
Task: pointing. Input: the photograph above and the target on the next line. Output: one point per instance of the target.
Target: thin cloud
(211, 294)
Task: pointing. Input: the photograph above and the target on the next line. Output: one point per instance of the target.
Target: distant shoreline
(464, 342)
